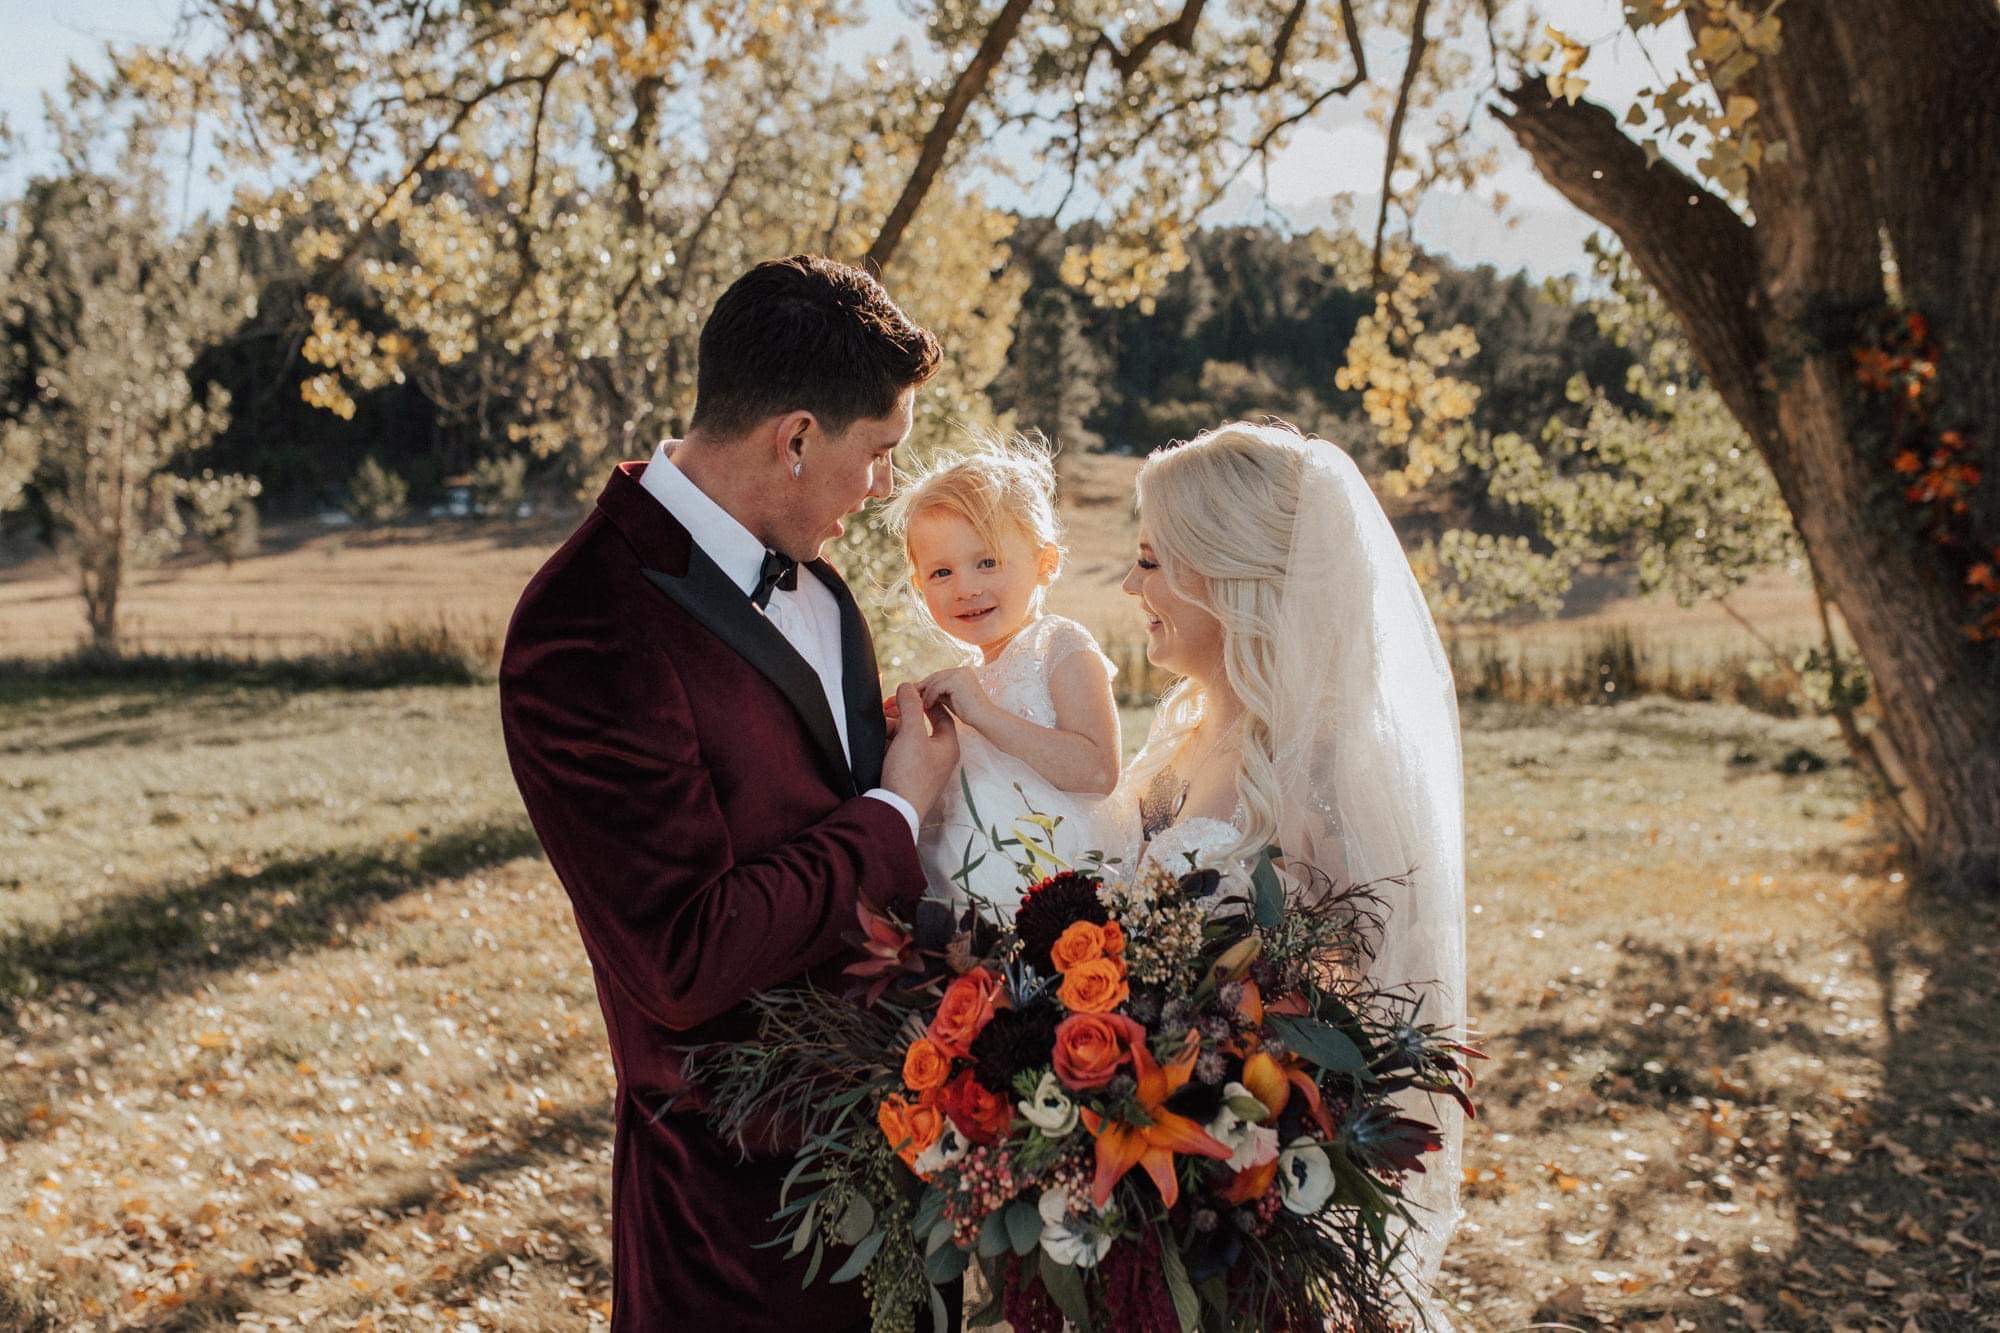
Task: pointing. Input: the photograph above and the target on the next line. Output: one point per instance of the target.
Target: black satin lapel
(860, 683)
(707, 594)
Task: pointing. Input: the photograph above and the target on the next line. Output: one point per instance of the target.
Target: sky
(1337, 153)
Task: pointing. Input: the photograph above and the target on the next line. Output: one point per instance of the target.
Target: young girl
(1039, 725)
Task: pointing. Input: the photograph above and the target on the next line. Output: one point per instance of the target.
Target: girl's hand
(958, 689)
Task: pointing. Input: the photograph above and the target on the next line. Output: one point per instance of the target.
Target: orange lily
(1271, 1082)
(1251, 1184)
(1151, 1147)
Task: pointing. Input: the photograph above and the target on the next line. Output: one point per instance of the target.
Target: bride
(1315, 712)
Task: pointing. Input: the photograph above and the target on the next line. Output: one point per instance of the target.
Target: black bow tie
(778, 571)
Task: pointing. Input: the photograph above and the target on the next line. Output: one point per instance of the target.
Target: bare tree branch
(1179, 30)
(1687, 241)
(466, 106)
(1419, 47)
(965, 90)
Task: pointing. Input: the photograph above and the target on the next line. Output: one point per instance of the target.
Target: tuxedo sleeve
(604, 751)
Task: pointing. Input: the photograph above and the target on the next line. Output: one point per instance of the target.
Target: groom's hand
(924, 754)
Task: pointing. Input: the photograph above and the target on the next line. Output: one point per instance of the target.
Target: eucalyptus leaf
(812, 1269)
(1065, 1286)
(929, 1209)
(1328, 1047)
(863, 1255)
(993, 1240)
(945, 1264)
(1268, 894)
(792, 1177)
(804, 1235)
(1187, 1306)
(857, 1221)
(1024, 1226)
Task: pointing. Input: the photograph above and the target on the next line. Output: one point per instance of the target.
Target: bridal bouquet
(1151, 1101)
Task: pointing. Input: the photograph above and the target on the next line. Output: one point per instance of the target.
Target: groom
(694, 719)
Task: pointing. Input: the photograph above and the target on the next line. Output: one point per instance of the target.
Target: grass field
(312, 588)
(295, 1029)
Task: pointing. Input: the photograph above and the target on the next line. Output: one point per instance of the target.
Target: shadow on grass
(396, 654)
(165, 939)
(1900, 1216)
(1894, 1201)
(329, 1249)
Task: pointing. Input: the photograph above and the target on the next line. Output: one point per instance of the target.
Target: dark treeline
(1255, 325)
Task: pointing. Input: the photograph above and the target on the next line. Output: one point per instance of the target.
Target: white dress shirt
(808, 616)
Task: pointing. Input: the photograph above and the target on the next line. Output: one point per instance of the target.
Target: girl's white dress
(1004, 790)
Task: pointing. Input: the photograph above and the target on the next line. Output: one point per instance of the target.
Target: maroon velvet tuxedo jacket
(682, 769)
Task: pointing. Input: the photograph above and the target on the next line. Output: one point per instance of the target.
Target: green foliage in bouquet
(1149, 1099)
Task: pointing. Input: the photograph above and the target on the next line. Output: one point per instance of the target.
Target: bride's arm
(1078, 754)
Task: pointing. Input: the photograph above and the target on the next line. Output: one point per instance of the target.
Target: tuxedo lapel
(860, 682)
(707, 594)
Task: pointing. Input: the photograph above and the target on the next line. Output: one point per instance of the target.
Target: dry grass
(312, 590)
(294, 1026)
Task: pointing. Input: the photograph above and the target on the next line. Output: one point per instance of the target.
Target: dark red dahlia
(1012, 1042)
(1050, 908)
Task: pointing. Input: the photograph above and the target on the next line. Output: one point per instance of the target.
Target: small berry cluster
(981, 1184)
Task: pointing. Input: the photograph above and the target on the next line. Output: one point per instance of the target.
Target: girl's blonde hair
(1003, 486)
(1219, 511)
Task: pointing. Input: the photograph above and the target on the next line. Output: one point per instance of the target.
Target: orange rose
(1095, 987)
(909, 1129)
(982, 1116)
(967, 1006)
(1114, 937)
(1091, 1048)
(1083, 941)
(925, 1065)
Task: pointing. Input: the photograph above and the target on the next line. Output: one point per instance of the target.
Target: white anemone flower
(946, 1151)
(1305, 1177)
(1050, 1110)
(1249, 1143)
(1069, 1242)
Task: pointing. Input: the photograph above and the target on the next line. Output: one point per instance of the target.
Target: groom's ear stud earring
(798, 469)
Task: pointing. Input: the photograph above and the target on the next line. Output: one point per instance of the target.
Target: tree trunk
(1893, 137)
(100, 600)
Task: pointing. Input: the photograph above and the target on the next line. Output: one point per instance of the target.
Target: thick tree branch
(1419, 42)
(1694, 250)
(1179, 30)
(965, 90)
(466, 106)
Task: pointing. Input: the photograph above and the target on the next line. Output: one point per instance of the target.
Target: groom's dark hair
(806, 334)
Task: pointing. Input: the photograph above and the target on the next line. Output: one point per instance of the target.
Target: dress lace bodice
(996, 789)
(1018, 679)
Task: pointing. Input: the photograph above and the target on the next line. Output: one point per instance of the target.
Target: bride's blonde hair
(1219, 511)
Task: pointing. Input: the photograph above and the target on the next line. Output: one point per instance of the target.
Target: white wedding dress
(1005, 791)
(1368, 781)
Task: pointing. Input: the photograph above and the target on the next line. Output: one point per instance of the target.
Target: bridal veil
(1370, 780)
